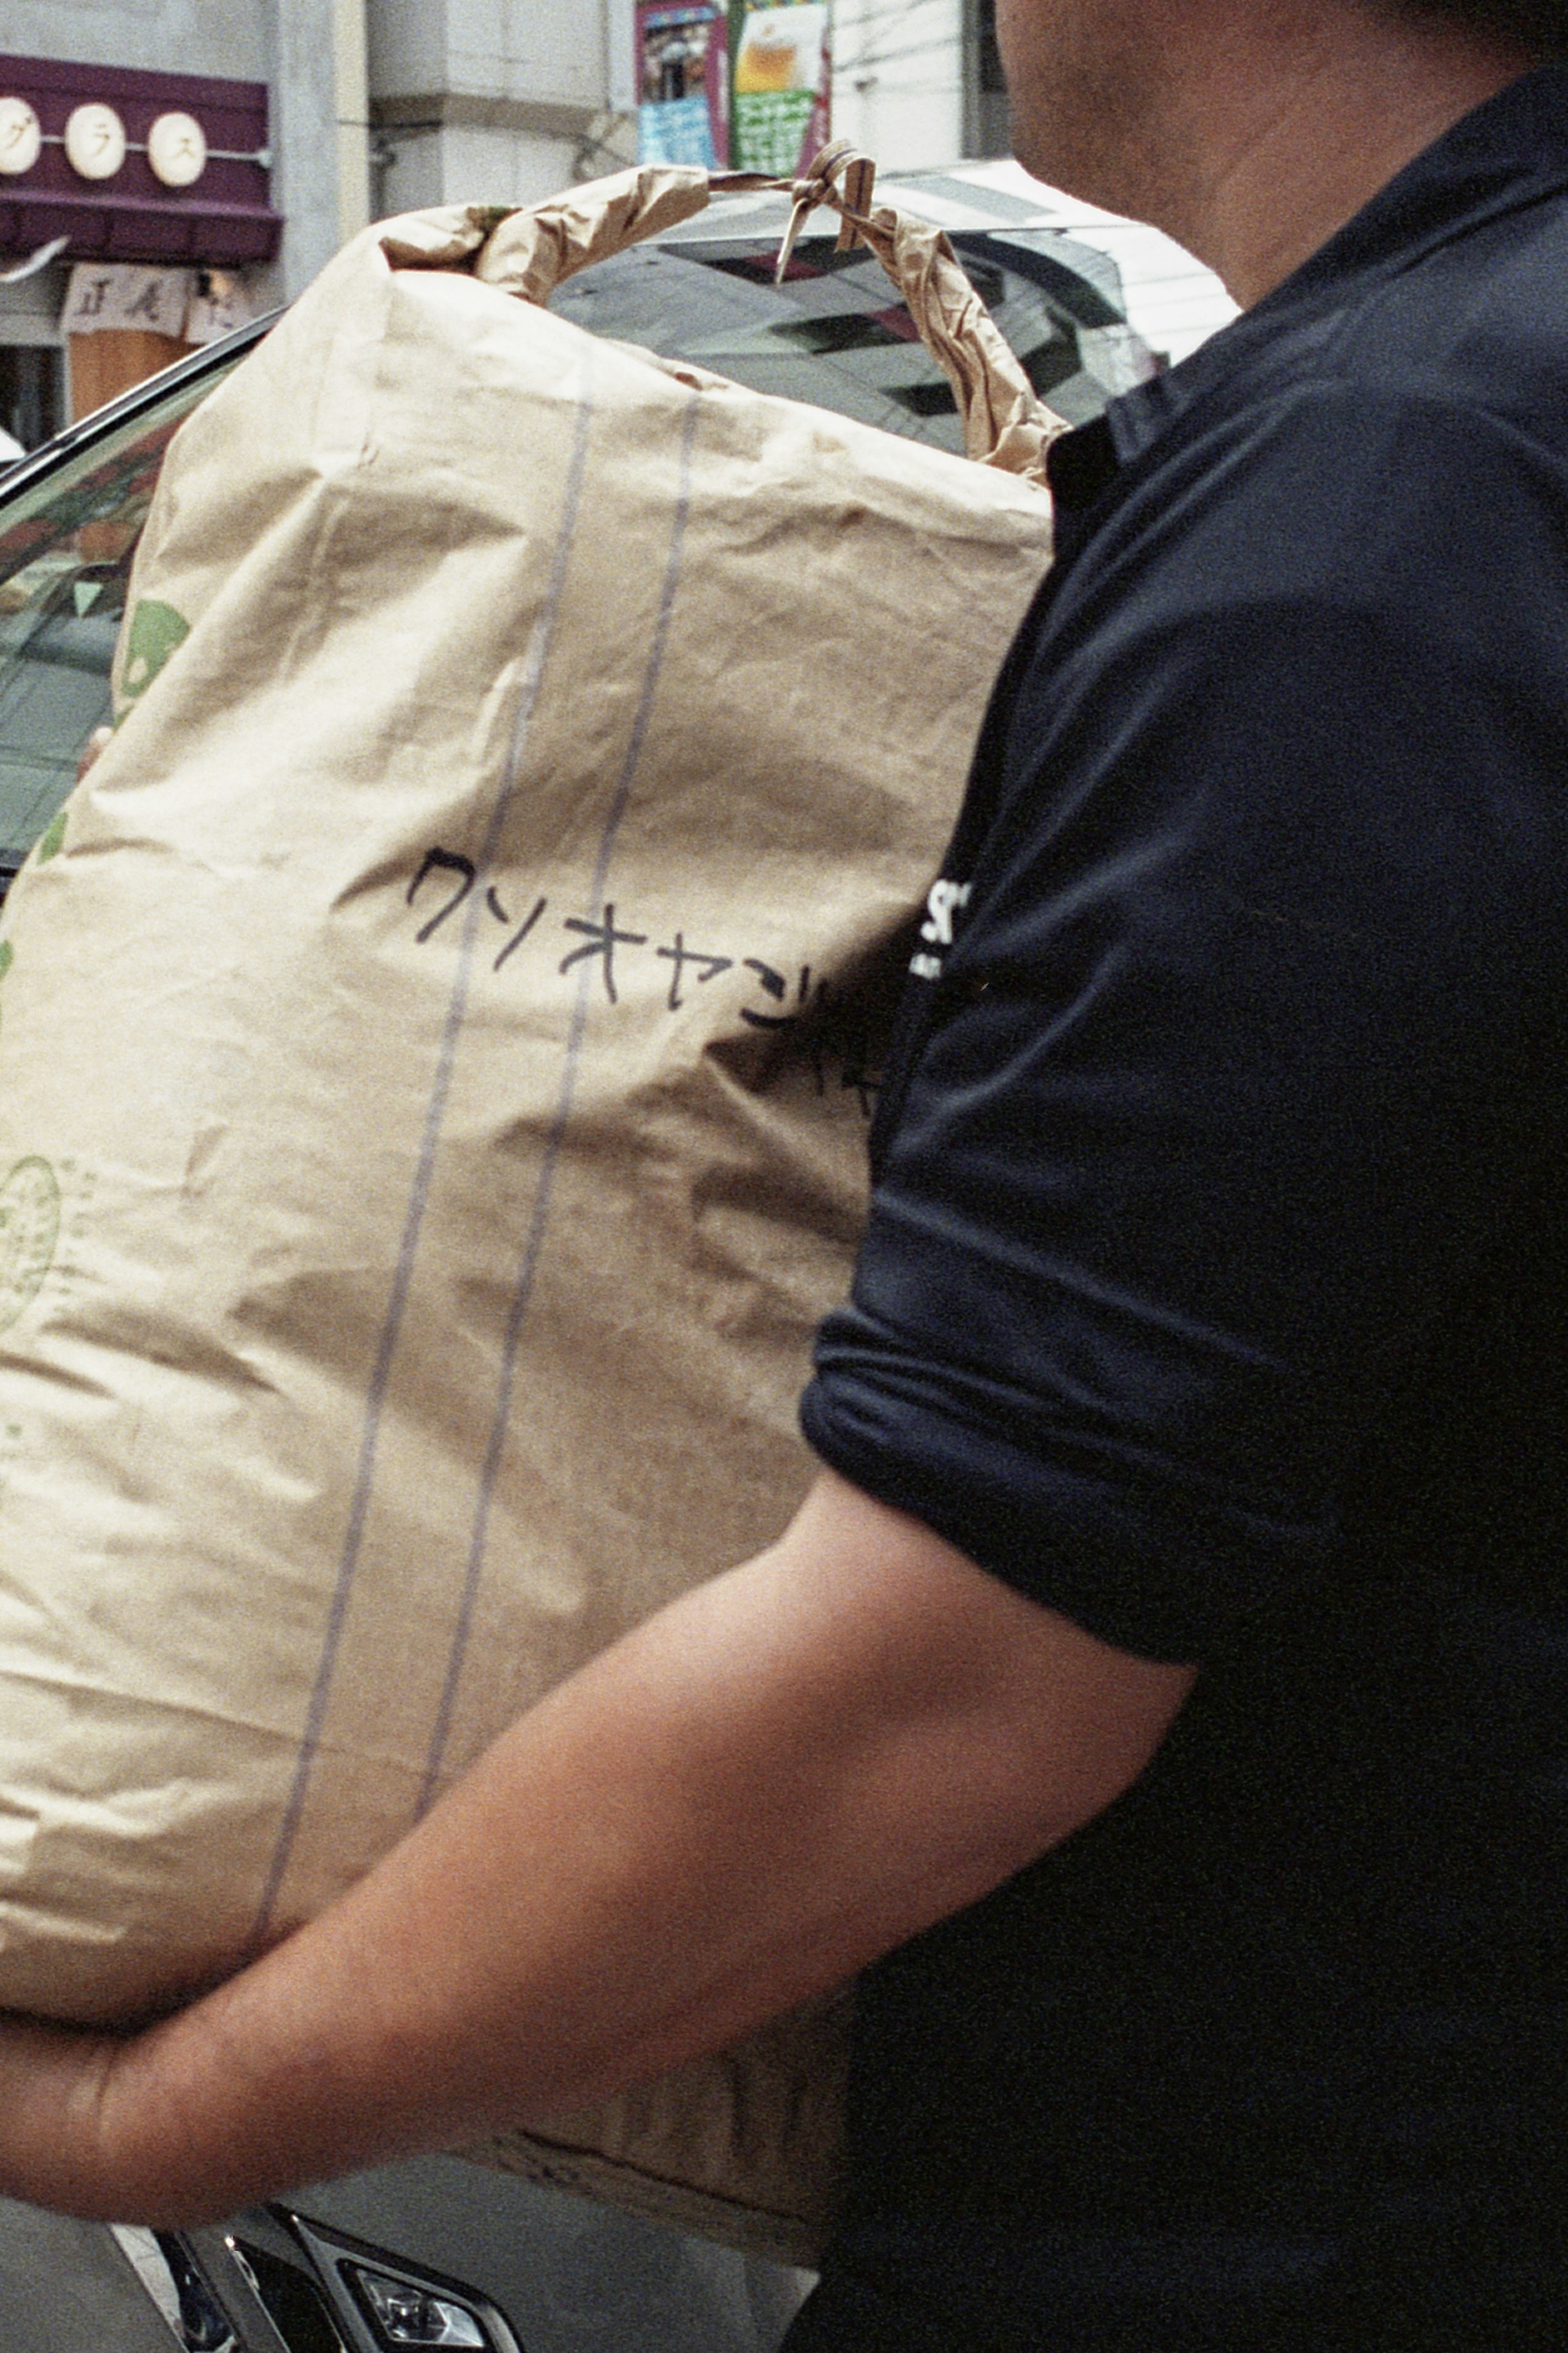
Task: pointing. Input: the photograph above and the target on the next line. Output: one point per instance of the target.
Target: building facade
(495, 101)
(505, 102)
(165, 168)
(226, 149)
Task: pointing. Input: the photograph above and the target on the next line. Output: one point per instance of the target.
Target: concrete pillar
(303, 73)
(351, 59)
(496, 101)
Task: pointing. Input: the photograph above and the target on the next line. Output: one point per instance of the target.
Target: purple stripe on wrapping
(535, 1244)
(528, 701)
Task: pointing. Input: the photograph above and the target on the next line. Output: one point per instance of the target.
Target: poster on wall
(784, 84)
(683, 66)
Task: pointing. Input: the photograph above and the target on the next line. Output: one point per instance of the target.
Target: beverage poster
(683, 58)
(783, 85)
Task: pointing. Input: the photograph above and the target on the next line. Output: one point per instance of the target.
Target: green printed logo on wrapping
(29, 1229)
(157, 632)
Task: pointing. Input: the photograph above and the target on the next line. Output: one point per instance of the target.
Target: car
(1089, 302)
(438, 2251)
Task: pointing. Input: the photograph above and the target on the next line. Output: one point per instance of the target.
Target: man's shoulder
(1478, 324)
(1344, 381)
(1381, 451)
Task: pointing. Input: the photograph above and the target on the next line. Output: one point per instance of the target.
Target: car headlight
(402, 2313)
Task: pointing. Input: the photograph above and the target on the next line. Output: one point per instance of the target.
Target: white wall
(898, 80)
(538, 53)
(467, 164)
(550, 51)
(227, 37)
(505, 100)
(30, 312)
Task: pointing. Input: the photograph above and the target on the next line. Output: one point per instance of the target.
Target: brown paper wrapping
(434, 1079)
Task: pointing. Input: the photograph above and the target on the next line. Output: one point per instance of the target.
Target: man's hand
(774, 1781)
(92, 751)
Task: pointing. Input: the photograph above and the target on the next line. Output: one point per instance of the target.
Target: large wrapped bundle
(434, 1073)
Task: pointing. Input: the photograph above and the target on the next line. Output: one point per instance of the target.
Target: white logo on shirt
(946, 902)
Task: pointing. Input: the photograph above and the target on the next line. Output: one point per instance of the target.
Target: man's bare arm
(774, 1781)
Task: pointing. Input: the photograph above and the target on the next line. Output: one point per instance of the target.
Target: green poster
(782, 86)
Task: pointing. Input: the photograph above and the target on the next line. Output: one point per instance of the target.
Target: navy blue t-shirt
(1214, 1295)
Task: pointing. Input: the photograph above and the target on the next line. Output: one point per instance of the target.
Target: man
(1169, 1676)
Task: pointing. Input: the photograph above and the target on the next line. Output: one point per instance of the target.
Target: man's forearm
(778, 1778)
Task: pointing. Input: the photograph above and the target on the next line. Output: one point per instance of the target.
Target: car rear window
(836, 334)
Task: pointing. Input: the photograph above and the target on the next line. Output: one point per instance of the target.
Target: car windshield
(66, 545)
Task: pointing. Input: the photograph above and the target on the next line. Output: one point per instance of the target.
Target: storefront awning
(223, 217)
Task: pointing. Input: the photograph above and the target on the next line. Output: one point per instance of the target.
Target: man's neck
(1284, 175)
(1250, 134)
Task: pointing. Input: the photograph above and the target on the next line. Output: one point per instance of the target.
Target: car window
(66, 545)
(834, 334)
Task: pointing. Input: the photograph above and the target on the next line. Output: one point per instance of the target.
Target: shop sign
(783, 99)
(21, 136)
(683, 58)
(134, 167)
(102, 295)
(747, 82)
(177, 150)
(95, 141)
(218, 306)
(193, 306)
